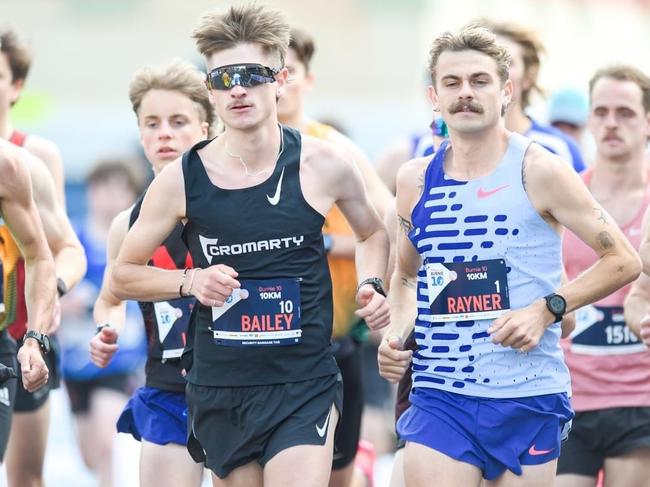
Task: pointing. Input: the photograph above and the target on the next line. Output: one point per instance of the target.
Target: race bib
(261, 312)
(601, 330)
(467, 290)
(173, 318)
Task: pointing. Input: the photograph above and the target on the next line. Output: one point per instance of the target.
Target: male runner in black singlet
(263, 393)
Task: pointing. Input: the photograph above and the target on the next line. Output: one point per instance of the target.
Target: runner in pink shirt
(610, 366)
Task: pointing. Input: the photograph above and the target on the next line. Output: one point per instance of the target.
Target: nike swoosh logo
(484, 194)
(323, 429)
(275, 199)
(534, 452)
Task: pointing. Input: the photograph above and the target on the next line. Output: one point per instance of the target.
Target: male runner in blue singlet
(481, 247)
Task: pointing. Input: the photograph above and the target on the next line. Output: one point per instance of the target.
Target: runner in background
(15, 63)
(173, 113)
(97, 395)
(27, 443)
(526, 50)
(609, 365)
(18, 212)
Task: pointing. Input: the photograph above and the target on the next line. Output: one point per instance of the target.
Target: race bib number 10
(467, 290)
(261, 312)
(173, 318)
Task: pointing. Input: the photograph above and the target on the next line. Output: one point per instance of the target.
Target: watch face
(557, 304)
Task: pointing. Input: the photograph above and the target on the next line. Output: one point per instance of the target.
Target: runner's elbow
(631, 268)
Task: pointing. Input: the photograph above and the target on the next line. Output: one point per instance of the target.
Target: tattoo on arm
(406, 225)
(410, 283)
(601, 216)
(605, 240)
(421, 182)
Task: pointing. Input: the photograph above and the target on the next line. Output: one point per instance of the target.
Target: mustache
(471, 105)
(612, 135)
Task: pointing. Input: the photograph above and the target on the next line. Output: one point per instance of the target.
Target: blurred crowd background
(370, 68)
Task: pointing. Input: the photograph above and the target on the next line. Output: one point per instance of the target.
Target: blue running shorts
(156, 416)
(493, 434)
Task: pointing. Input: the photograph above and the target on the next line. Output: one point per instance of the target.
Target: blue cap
(568, 105)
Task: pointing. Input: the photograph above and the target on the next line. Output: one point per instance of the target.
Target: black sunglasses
(245, 75)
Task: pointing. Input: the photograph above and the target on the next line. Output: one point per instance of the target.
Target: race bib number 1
(467, 290)
(261, 312)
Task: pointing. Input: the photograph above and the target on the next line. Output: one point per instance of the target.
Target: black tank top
(166, 322)
(278, 330)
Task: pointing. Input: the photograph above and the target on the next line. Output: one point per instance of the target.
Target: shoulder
(15, 161)
(172, 174)
(9, 159)
(411, 173)
(13, 174)
(120, 224)
(43, 148)
(323, 153)
(541, 168)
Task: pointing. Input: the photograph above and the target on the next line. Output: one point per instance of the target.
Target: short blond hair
(176, 75)
(470, 38)
(251, 23)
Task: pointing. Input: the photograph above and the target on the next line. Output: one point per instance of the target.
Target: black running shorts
(597, 435)
(7, 390)
(233, 426)
(348, 358)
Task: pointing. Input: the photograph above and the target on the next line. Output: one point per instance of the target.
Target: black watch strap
(556, 304)
(61, 287)
(376, 283)
(42, 339)
(101, 326)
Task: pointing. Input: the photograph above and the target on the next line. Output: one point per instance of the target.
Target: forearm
(371, 255)
(403, 305)
(70, 263)
(636, 307)
(40, 293)
(609, 273)
(147, 283)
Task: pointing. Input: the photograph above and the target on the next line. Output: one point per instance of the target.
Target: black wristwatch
(556, 304)
(376, 283)
(61, 288)
(102, 326)
(42, 339)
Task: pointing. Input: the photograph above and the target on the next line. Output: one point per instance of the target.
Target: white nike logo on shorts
(275, 199)
(323, 429)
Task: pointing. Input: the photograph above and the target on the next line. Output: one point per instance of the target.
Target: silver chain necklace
(243, 162)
